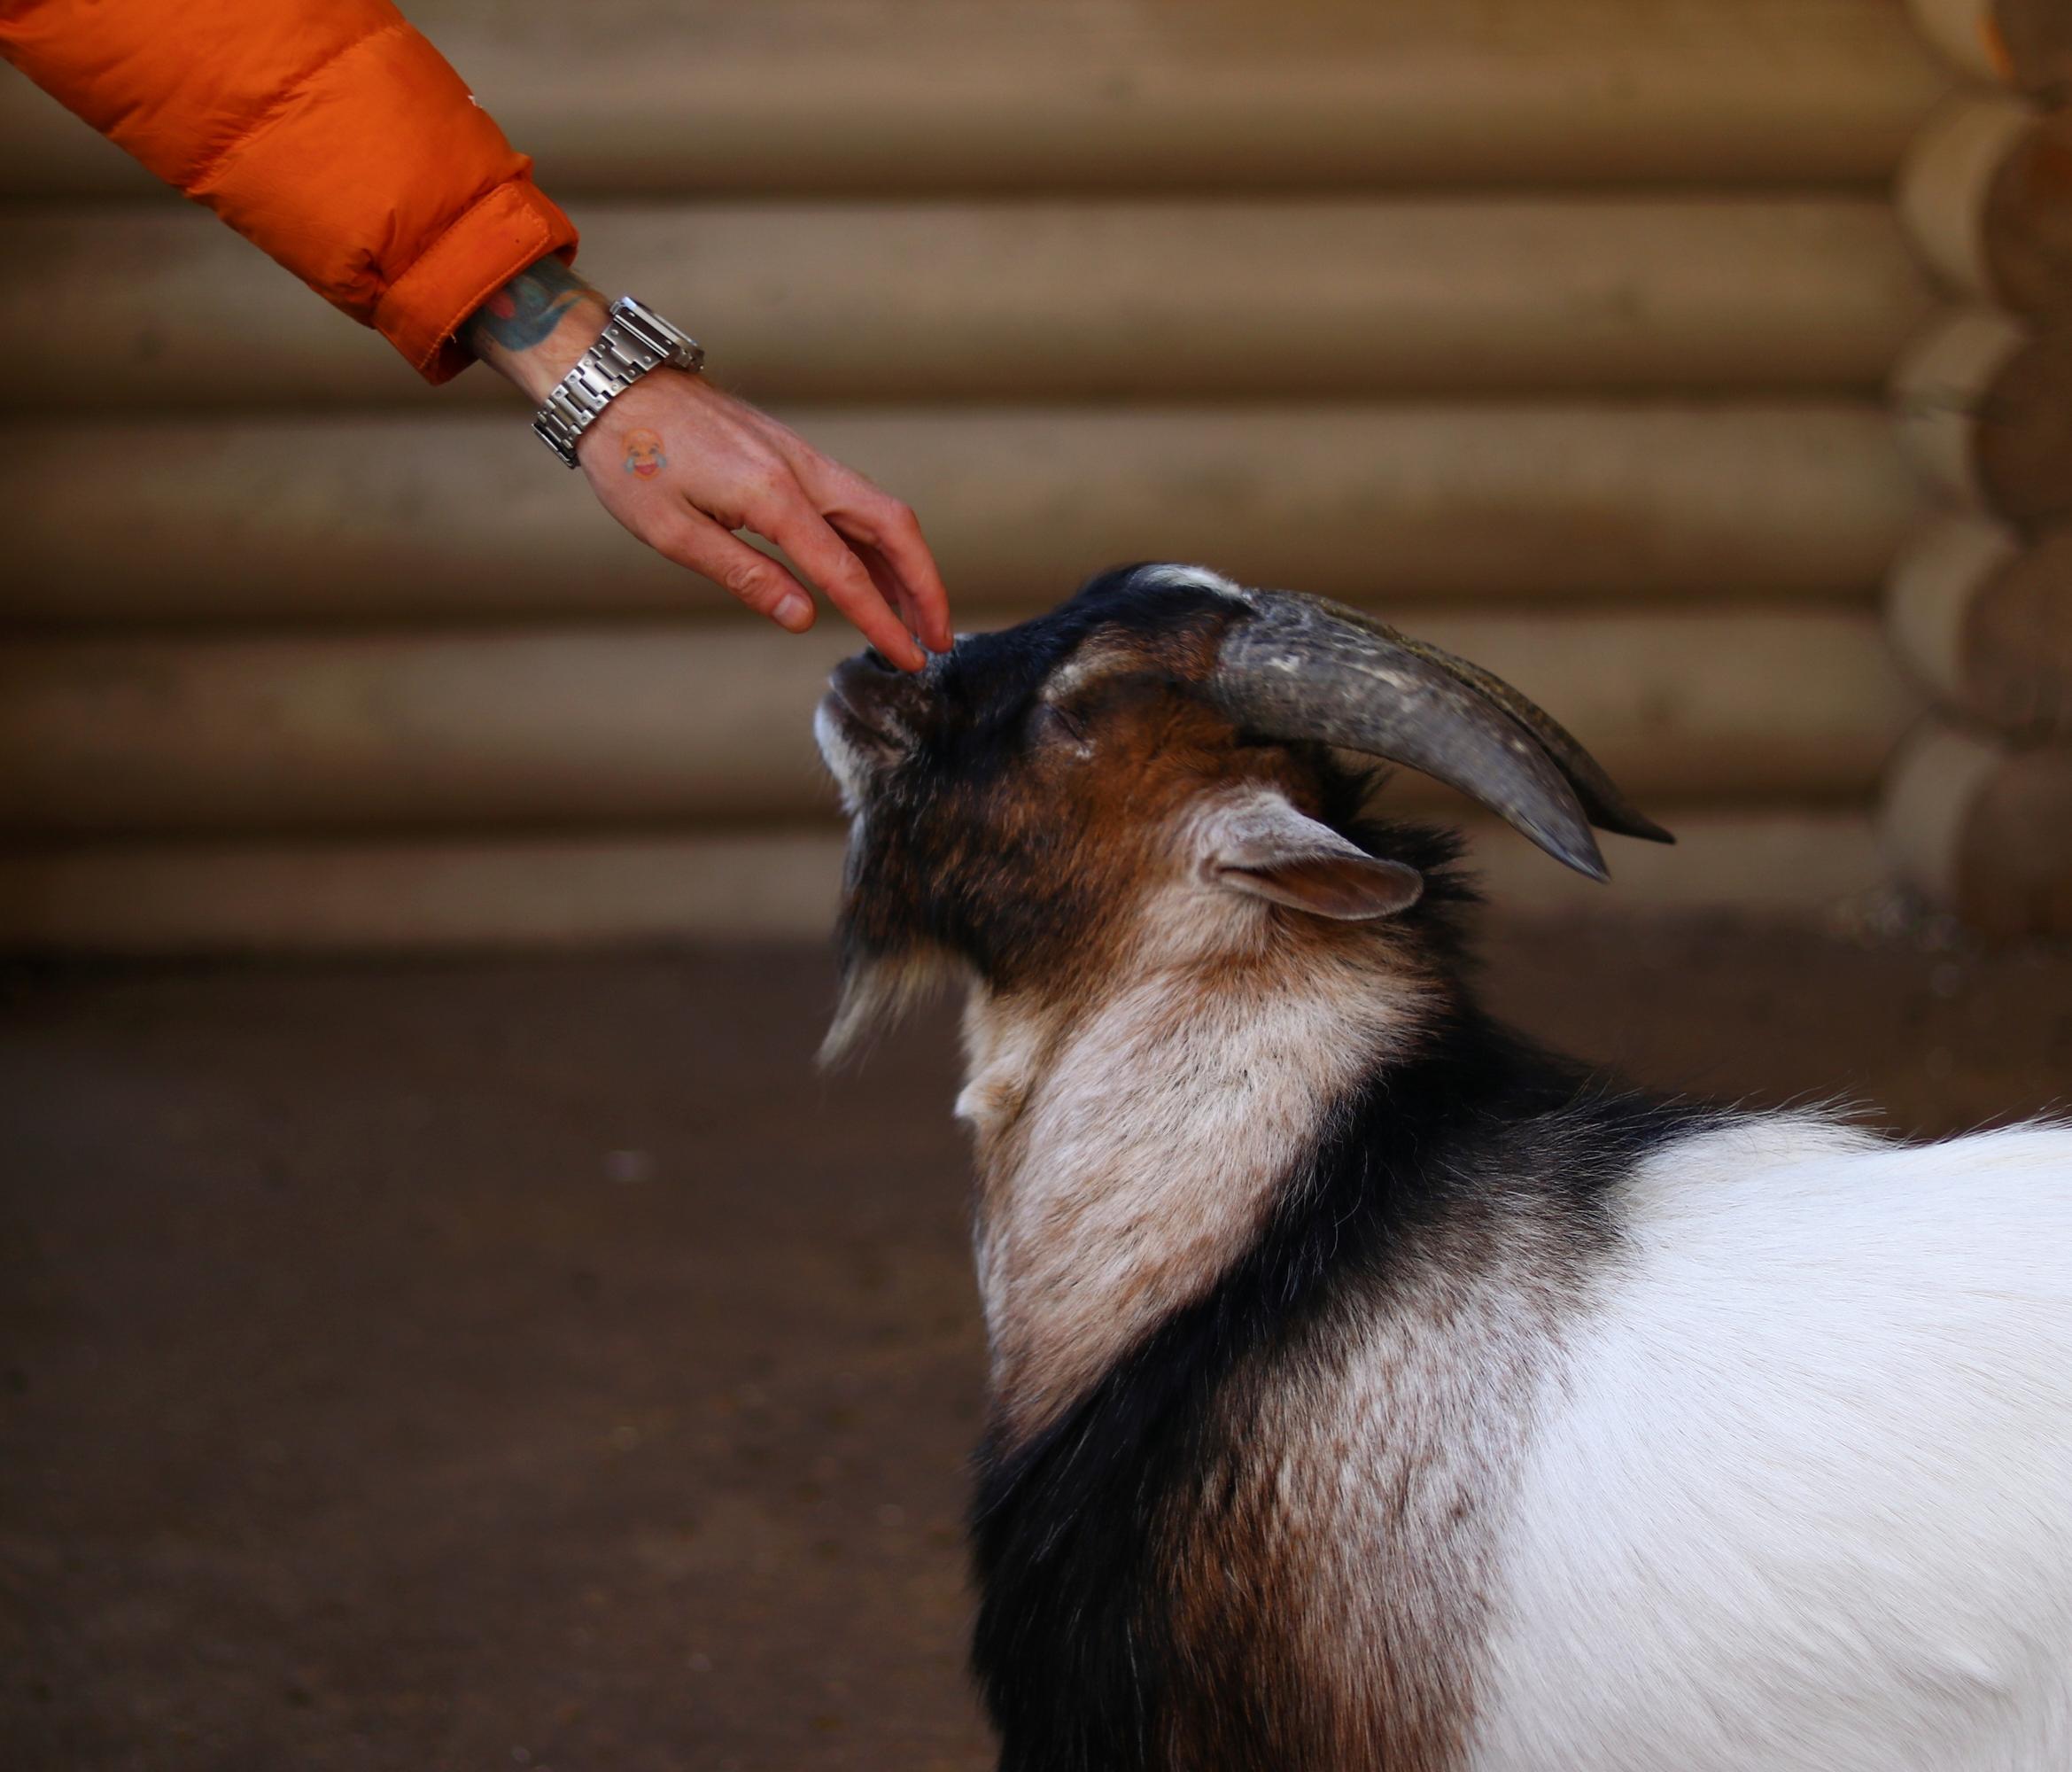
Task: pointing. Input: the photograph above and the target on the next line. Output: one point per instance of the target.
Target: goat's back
(1800, 1490)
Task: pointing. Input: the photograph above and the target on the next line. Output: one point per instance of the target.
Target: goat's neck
(1129, 1148)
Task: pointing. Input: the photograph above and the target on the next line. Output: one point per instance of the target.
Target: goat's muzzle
(872, 699)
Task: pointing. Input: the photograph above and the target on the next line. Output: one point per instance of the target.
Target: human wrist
(537, 371)
(534, 329)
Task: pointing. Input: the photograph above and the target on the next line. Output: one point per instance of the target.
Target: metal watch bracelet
(635, 340)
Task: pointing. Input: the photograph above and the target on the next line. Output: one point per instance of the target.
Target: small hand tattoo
(644, 456)
(528, 308)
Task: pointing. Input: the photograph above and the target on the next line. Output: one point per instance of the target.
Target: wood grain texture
(441, 893)
(659, 721)
(2023, 43)
(461, 516)
(1986, 197)
(1328, 297)
(1986, 626)
(1985, 407)
(622, 95)
(1984, 829)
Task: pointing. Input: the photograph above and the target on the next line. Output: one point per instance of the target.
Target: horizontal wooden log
(2026, 43)
(1948, 562)
(444, 894)
(1985, 194)
(1984, 831)
(1987, 198)
(1939, 389)
(665, 721)
(944, 95)
(1947, 176)
(1985, 410)
(1966, 34)
(1057, 301)
(2036, 35)
(2025, 224)
(462, 514)
(1986, 625)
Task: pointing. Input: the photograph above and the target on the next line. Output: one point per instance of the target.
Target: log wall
(1558, 330)
(644, 722)
(1026, 299)
(922, 97)
(1979, 800)
(343, 518)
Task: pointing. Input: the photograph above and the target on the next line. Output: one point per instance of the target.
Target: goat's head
(1165, 737)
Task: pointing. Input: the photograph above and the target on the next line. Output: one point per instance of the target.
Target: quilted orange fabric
(328, 132)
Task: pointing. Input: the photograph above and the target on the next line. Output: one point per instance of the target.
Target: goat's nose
(870, 685)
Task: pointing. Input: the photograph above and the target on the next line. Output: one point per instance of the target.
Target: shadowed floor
(532, 1363)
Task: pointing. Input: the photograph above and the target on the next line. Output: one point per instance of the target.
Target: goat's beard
(878, 992)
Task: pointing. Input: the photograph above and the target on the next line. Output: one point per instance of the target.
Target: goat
(1367, 1386)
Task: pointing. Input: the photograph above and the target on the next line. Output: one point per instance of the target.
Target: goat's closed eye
(1051, 724)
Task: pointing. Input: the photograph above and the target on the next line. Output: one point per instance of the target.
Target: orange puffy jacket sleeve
(327, 132)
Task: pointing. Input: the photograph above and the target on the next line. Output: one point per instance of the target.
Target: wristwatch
(635, 340)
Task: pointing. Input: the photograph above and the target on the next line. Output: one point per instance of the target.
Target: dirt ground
(532, 1363)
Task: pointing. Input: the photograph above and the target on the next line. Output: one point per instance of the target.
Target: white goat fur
(1819, 1419)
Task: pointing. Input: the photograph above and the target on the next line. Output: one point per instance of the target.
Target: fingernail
(794, 611)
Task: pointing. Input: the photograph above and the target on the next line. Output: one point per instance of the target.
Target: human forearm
(328, 132)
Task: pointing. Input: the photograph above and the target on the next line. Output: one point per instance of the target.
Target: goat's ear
(1267, 849)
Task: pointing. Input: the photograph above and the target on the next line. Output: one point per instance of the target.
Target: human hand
(682, 465)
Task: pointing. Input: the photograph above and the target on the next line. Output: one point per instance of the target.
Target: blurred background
(447, 1324)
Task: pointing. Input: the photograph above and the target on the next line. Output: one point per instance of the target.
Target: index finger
(895, 532)
(862, 512)
(826, 559)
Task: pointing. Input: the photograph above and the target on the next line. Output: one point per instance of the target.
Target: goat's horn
(1607, 808)
(1300, 667)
